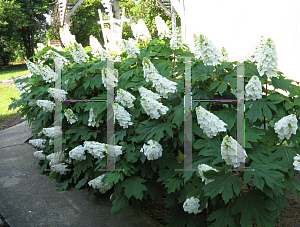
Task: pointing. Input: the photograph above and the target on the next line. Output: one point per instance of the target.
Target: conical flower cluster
(40, 143)
(131, 49)
(162, 85)
(253, 89)
(60, 61)
(52, 132)
(152, 107)
(286, 126)
(140, 31)
(78, 53)
(266, 57)
(191, 205)
(95, 148)
(66, 37)
(209, 122)
(92, 119)
(125, 98)
(176, 40)
(78, 153)
(232, 152)
(203, 168)
(162, 28)
(39, 155)
(98, 184)
(60, 168)
(55, 92)
(47, 73)
(153, 150)
(122, 116)
(97, 50)
(47, 106)
(71, 117)
(32, 67)
(296, 162)
(206, 51)
(109, 80)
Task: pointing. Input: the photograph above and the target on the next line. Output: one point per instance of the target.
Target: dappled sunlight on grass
(9, 74)
(5, 93)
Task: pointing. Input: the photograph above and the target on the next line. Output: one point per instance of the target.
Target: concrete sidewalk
(28, 198)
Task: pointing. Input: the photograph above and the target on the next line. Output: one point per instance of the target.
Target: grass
(6, 93)
(15, 70)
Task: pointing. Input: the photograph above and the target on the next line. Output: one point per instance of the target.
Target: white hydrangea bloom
(52, 132)
(95, 148)
(145, 93)
(153, 150)
(60, 61)
(203, 168)
(286, 126)
(47, 73)
(296, 162)
(162, 85)
(51, 142)
(131, 49)
(162, 28)
(98, 184)
(109, 79)
(153, 108)
(232, 152)
(253, 89)
(206, 51)
(78, 53)
(209, 122)
(191, 205)
(225, 54)
(125, 98)
(20, 87)
(97, 49)
(55, 92)
(117, 150)
(66, 37)
(265, 56)
(60, 168)
(39, 155)
(27, 123)
(176, 40)
(71, 117)
(40, 143)
(78, 153)
(32, 67)
(55, 158)
(140, 31)
(122, 116)
(47, 106)
(92, 119)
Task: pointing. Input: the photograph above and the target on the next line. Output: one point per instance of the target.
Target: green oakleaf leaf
(134, 187)
(173, 184)
(113, 177)
(223, 218)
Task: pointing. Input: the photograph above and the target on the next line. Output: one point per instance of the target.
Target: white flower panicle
(266, 57)
(153, 108)
(232, 152)
(20, 87)
(253, 89)
(52, 132)
(47, 73)
(78, 153)
(153, 150)
(71, 117)
(40, 143)
(209, 122)
(39, 155)
(60, 168)
(55, 158)
(206, 51)
(60, 61)
(92, 119)
(286, 126)
(109, 79)
(97, 49)
(98, 184)
(176, 40)
(225, 54)
(140, 31)
(203, 168)
(95, 148)
(162, 28)
(122, 116)
(66, 37)
(125, 98)
(47, 106)
(55, 92)
(191, 205)
(131, 49)
(296, 162)
(162, 85)
(78, 53)
(32, 67)
(117, 150)
(145, 93)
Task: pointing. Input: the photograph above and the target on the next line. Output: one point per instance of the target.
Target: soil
(160, 213)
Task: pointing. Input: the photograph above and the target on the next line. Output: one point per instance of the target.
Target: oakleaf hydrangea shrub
(149, 130)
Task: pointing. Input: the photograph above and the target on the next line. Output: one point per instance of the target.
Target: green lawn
(9, 74)
(5, 93)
